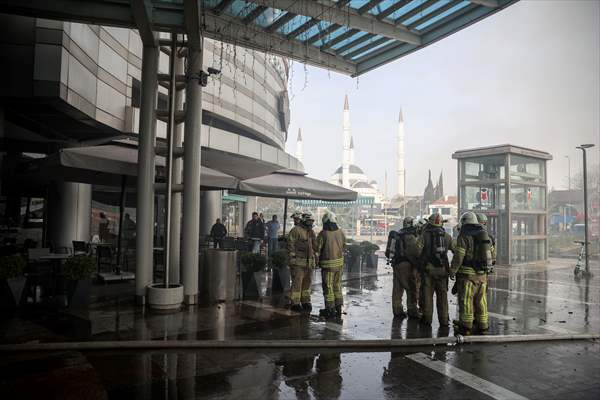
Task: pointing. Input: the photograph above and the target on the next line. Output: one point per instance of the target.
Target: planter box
(11, 292)
(354, 264)
(78, 293)
(281, 280)
(163, 298)
(371, 260)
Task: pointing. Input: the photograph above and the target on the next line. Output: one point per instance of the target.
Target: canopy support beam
(344, 16)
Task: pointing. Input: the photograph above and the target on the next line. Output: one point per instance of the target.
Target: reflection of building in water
(517, 215)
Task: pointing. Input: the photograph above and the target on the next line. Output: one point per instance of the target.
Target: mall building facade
(68, 84)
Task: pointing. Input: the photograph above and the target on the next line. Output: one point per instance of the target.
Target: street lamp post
(569, 171)
(568, 193)
(583, 147)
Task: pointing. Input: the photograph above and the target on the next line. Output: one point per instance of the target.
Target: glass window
(523, 197)
(528, 250)
(523, 225)
(482, 197)
(527, 169)
(232, 217)
(483, 168)
(446, 211)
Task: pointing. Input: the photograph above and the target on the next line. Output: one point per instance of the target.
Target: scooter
(580, 266)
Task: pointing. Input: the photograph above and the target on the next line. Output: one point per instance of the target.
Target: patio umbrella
(291, 184)
(109, 165)
(106, 165)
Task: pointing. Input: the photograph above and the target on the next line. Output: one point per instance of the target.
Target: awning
(106, 165)
(351, 37)
(290, 184)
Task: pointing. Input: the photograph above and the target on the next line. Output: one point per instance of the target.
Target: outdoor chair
(104, 257)
(80, 247)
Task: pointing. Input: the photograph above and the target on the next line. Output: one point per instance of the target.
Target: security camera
(213, 71)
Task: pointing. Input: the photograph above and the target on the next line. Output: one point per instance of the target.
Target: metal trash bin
(219, 277)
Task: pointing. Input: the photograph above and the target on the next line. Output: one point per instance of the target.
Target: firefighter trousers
(472, 301)
(331, 279)
(405, 280)
(438, 285)
(301, 281)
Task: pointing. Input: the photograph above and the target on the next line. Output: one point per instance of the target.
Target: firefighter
(297, 217)
(330, 250)
(435, 270)
(471, 264)
(301, 246)
(405, 267)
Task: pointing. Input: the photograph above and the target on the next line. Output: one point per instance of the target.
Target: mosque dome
(354, 169)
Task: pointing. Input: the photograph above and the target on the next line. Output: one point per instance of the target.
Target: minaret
(299, 147)
(352, 151)
(347, 140)
(400, 156)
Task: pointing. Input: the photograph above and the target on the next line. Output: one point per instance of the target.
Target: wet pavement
(543, 299)
(541, 370)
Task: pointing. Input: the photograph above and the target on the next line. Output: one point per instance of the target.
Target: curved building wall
(95, 71)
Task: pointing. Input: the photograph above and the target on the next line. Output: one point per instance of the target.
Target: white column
(400, 156)
(347, 139)
(300, 147)
(176, 177)
(69, 213)
(210, 210)
(191, 177)
(145, 182)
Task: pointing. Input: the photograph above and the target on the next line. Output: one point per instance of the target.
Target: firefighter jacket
(301, 246)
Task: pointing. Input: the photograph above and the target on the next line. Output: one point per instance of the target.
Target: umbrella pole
(285, 206)
(120, 235)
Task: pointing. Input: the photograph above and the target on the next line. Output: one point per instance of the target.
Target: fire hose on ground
(344, 345)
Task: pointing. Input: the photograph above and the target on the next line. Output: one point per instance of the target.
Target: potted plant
(254, 275)
(369, 255)
(281, 271)
(12, 280)
(78, 271)
(354, 257)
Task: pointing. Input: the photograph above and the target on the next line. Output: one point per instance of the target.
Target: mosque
(350, 175)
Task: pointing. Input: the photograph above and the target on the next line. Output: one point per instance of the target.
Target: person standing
(330, 253)
(405, 267)
(255, 231)
(218, 233)
(273, 234)
(435, 270)
(301, 245)
(104, 228)
(472, 262)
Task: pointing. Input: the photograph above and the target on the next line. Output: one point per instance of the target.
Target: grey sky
(528, 75)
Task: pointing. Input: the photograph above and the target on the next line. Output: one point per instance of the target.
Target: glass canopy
(348, 36)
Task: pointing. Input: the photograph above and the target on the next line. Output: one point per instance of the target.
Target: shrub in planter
(254, 262)
(279, 259)
(12, 280)
(369, 255)
(11, 266)
(281, 272)
(78, 271)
